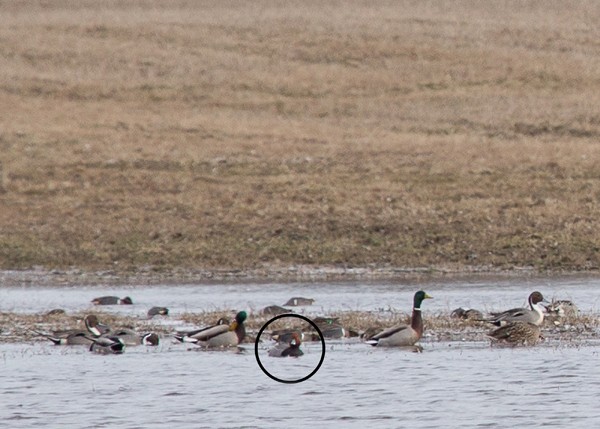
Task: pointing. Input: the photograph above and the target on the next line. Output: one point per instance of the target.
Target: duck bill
(428, 296)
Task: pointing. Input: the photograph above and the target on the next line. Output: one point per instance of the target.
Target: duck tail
(372, 342)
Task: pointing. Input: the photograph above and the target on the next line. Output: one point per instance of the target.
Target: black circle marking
(298, 316)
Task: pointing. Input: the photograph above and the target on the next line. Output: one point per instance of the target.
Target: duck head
(419, 297)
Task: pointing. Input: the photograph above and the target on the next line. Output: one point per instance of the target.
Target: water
(449, 384)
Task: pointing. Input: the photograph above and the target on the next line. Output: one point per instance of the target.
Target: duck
(112, 300)
(403, 335)
(562, 308)
(158, 311)
(223, 335)
(107, 345)
(73, 337)
(286, 335)
(330, 327)
(299, 301)
(193, 336)
(131, 338)
(516, 333)
(289, 349)
(466, 314)
(274, 310)
(534, 314)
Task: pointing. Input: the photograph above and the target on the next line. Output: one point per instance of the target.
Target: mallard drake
(403, 335)
(467, 314)
(193, 336)
(223, 335)
(289, 349)
(158, 311)
(533, 315)
(299, 301)
(107, 345)
(112, 300)
(524, 333)
(131, 338)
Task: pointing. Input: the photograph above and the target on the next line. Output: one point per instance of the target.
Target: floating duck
(534, 314)
(107, 345)
(131, 338)
(193, 336)
(223, 335)
(403, 335)
(299, 301)
(112, 300)
(289, 349)
(78, 336)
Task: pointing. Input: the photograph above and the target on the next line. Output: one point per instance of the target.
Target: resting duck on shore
(403, 335)
(75, 337)
(516, 333)
(193, 336)
(534, 314)
(222, 335)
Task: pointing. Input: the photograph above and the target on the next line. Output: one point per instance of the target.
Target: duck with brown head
(534, 314)
(291, 349)
(403, 335)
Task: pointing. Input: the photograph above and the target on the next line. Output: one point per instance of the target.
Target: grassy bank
(242, 135)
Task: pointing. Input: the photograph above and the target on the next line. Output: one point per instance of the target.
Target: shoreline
(43, 277)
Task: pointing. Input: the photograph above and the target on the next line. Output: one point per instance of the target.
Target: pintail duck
(223, 335)
(158, 311)
(466, 314)
(78, 336)
(299, 301)
(131, 338)
(516, 333)
(291, 348)
(112, 300)
(403, 335)
(107, 345)
(534, 314)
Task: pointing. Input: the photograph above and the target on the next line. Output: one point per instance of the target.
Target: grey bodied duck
(289, 349)
(516, 333)
(74, 337)
(112, 300)
(223, 335)
(534, 314)
(107, 345)
(131, 338)
(403, 335)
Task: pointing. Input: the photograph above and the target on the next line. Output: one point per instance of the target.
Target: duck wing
(389, 332)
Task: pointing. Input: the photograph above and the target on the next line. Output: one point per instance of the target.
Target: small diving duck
(534, 314)
(112, 300)
(289, 349)
(223, 335)
(516, 333)
(403, 335)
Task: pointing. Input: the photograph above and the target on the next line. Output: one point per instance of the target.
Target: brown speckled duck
(516, 333)
(403, 335)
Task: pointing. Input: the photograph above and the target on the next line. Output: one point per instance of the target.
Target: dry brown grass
(244, 134)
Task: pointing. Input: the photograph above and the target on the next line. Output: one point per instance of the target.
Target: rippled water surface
(449, 384)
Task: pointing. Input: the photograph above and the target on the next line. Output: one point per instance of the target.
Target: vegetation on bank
(160, 136)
